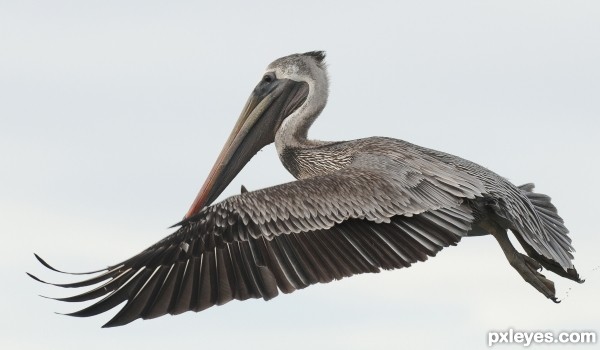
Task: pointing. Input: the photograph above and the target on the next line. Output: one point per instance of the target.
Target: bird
(358, 206)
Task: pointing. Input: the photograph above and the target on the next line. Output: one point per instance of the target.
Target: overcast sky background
(113, 112)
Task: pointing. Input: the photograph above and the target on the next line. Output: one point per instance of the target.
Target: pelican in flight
(357, 206)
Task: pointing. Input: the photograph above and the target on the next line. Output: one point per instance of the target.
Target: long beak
(255, 128)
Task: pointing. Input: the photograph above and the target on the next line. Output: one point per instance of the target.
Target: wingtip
(50, 267)
(61, 313)
(35, 278)
(43, 262)
(39, 279)
(57, 299)
(79, 313)
(117, 321)
(112, 324)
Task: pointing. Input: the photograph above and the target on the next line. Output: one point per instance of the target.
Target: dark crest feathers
(317, 55)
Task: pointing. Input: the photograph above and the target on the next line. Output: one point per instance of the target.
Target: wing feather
(286, 238)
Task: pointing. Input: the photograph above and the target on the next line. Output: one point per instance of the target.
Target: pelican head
(290, 87)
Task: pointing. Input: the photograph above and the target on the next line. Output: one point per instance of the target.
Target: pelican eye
(269, 77)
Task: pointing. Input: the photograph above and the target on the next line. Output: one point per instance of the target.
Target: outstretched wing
(285, 238)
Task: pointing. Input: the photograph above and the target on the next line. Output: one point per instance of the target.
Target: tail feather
(555, 227)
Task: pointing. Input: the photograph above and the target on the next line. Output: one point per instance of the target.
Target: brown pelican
(357, 206)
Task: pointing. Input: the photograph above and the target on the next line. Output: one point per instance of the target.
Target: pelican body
(357, 206)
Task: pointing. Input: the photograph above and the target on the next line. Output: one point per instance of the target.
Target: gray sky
(112, 112)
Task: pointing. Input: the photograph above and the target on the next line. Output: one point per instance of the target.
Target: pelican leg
(526, 266)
